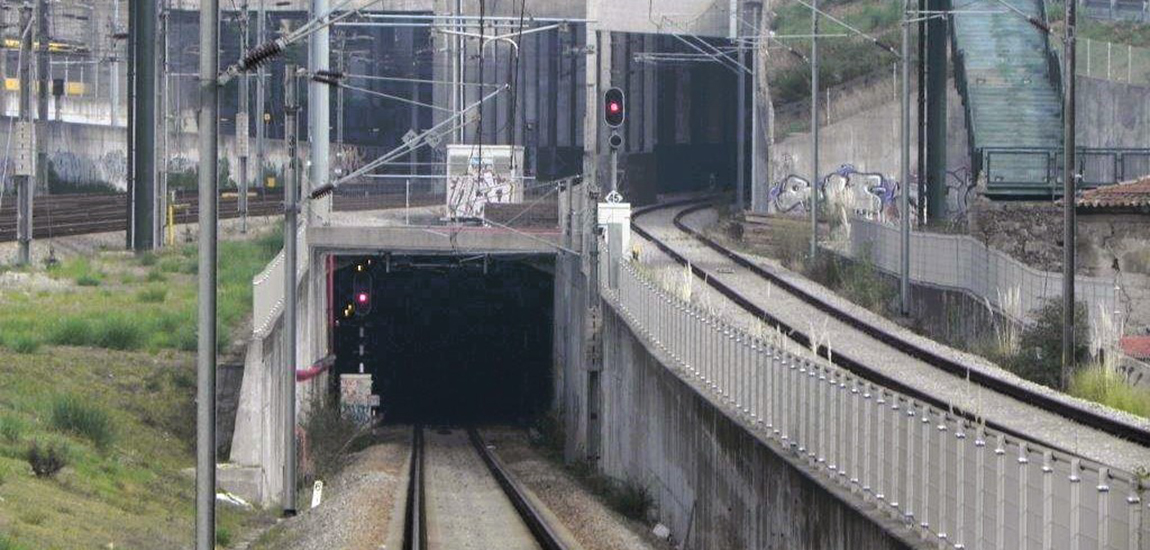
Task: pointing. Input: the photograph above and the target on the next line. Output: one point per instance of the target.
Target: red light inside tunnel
(361, 297)
(613, 107)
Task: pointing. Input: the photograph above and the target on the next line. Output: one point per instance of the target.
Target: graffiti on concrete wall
(867, 195)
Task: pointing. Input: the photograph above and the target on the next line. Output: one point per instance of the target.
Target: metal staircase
(1010, 83)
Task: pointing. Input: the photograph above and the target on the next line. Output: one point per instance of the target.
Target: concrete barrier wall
(715, 485)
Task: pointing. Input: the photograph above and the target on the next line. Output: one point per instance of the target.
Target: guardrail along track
(1025, 395)
(416, 526)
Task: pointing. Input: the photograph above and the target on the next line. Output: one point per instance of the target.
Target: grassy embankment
(96, 374)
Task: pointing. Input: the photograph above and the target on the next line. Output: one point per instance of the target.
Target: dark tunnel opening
(447, 340)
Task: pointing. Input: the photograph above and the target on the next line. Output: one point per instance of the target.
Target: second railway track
(1059, 406)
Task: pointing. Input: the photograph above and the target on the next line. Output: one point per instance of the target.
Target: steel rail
(1062, 408)
(414, 528)
(543, 532)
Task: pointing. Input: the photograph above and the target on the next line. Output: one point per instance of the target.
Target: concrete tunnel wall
(715, 484)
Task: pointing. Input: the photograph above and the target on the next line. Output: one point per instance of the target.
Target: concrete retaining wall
(715, 484)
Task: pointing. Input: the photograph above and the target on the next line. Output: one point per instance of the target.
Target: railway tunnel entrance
(454, 340)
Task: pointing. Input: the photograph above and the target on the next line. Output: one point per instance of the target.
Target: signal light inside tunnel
(361, 297)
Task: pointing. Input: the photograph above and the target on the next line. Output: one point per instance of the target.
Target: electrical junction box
(616, 213)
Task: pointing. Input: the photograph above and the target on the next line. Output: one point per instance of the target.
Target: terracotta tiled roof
(1134, 194)
(1137, 347)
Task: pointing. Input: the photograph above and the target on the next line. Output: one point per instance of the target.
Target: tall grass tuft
(1008, 329)
(72, 331)
(1108, 387)
(119, 333)
(11, 428)
(153, 295)
(24, 343)
(73, 415)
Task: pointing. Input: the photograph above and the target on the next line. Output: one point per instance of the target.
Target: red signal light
(361, 297)
(614, 105)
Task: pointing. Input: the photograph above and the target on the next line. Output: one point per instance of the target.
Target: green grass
(134, 494)
(841, 59)
(1109, 388)
(23, 343)
(112, 382)
(153, 295)
(153, 309)
(12, 428)
(73, 415)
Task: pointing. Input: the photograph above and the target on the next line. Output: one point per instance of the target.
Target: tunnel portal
(454, 340)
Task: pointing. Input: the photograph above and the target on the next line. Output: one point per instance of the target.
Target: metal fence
(1109, 60)
(963, 263)
(953, 482)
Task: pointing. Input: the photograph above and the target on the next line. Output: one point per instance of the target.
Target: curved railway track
(1065, 408)
(416, 522)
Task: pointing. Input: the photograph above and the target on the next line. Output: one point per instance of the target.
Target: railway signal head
(361, 293)
(614, 107)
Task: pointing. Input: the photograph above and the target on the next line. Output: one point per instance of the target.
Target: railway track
(67, 215)
(435, 510)
(1062, 407)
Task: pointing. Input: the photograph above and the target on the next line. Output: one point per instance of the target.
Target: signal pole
(42, 76)
(814, 200)
(25, 165)
(261, 124)
(741, 120)
(904, 166)
(291, 197)
(242, 128)
(206, 341)
(1069, 181)
(143, 146)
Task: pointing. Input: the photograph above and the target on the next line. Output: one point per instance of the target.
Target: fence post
(1023, 486)
(1000, 493)
(896, 453)
(1075, 503)
(880, 408)
(866, 446)
(1103, 488)
(1047, 500)
(980, 487)
(908, 505)
(943, 476)
(822, 388)
(1134, 523)
(960, 453)
(924, 520)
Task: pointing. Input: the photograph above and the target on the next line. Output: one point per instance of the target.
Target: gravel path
(358, 504)
(1059, 431)
(466, 509)
(588, 519)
